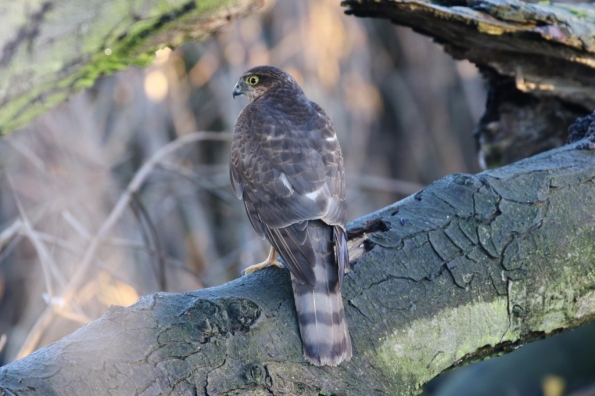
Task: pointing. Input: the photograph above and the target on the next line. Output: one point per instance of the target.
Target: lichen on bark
(50, 50)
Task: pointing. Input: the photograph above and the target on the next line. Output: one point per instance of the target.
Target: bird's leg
(271, 260)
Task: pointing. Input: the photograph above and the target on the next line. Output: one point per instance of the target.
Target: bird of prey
(287, 166)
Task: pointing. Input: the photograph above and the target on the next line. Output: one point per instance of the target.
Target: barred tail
(321, 317)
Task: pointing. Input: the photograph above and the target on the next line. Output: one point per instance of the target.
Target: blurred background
(85, 225)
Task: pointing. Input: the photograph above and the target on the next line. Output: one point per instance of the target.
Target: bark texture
(51, 49)
(539, 60)
(470, 267)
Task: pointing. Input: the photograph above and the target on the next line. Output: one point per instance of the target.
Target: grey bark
(470, 267)
(538, 59)
(51, 49)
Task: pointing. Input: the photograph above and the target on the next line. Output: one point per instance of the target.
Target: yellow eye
(252, 80)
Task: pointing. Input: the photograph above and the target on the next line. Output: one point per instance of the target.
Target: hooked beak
(237, 91)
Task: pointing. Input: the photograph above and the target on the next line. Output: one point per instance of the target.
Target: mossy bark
(538, 59)
(51, 49)
(470, 267)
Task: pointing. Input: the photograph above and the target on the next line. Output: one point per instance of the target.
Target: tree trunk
(52, 49)
(470, 267)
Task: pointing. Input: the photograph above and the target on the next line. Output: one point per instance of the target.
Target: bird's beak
(237, 91)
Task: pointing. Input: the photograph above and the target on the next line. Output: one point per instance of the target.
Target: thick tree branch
(51, 49)
(539, 60)
(517, 39)
(469, 267)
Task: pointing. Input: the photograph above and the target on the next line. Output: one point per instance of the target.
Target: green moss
(578, 13)
(568, 297)
(130, 43)
(427, 347)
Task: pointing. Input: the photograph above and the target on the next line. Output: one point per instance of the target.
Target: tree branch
(468, 268)
(539, 60)
(51, 49)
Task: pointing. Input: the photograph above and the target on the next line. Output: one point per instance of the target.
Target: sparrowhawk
(287, 166)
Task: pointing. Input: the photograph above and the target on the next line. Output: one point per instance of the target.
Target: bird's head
(259, 80)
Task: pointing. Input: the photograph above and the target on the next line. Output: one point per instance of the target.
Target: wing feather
(294, 254)
(288, 168)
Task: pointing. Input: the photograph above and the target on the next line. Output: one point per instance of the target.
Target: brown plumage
(286, 165)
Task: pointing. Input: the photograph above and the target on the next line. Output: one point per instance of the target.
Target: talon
(271, 260)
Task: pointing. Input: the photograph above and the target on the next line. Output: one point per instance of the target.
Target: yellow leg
(271, 260)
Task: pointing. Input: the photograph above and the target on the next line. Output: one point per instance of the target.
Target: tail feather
(321, 316)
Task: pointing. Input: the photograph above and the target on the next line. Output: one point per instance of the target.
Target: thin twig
(167, 258)
(9, 233)
(200, 180)
(61, 243)
(76, 225)
(137, 181)
(123, 243)
(27, 153)
(36, 331)
(47, 264)
(70, 315)
(151, 237)
(3, 339)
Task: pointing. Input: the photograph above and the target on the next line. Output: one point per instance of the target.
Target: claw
(271, 260)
